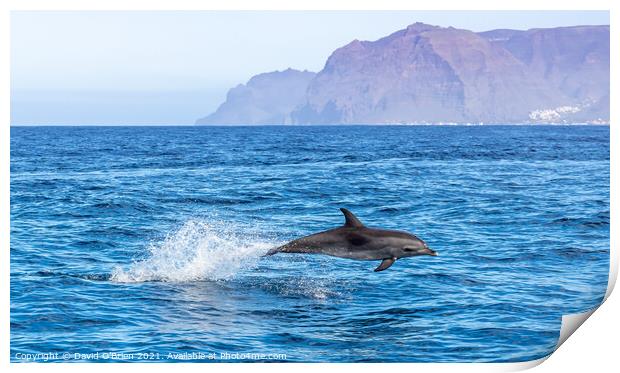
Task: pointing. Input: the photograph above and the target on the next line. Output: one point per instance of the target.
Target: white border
(597, 340)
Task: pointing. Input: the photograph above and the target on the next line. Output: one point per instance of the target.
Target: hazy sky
(148, 67)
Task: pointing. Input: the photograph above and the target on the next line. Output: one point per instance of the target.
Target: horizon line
(464, 124)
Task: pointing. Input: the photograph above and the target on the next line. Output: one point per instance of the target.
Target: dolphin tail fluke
(385, 264)
(271, 252)
(274, 251)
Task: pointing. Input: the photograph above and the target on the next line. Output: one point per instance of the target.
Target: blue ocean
(145, 243)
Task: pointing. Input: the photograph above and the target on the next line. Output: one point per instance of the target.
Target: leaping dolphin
(355, 241)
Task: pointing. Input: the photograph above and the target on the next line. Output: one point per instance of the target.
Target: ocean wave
(198, 250)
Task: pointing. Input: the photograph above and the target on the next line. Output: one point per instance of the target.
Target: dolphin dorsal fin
(350, 219)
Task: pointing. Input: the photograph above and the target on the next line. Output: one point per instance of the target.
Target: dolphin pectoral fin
(385, 264)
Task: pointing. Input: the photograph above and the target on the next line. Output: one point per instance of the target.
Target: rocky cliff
(430, 74)
(267, 98)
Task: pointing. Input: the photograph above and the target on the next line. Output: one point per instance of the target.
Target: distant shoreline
(325, 125)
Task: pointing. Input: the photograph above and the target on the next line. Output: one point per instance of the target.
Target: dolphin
(356, 241)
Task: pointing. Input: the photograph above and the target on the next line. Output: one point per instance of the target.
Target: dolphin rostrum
(355, 241)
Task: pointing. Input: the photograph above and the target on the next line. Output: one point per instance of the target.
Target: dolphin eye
(408, 249)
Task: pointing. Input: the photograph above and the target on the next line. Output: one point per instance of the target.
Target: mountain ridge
(430, 74)
(267, 98)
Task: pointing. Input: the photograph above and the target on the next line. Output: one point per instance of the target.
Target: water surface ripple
(148, 239)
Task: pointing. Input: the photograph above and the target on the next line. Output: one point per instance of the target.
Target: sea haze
(148, 240)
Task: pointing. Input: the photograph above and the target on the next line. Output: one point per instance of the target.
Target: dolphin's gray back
(344, 242)
(312, 244)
